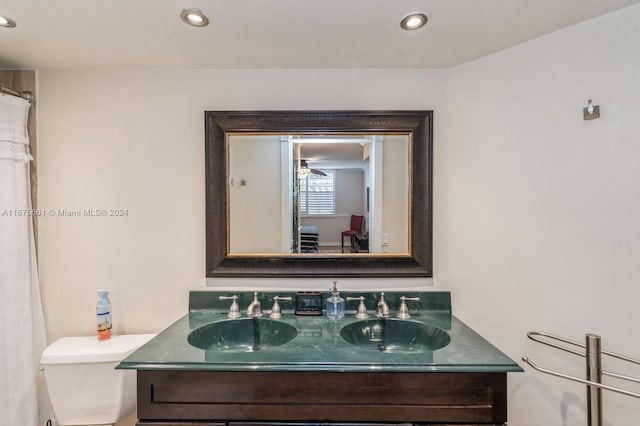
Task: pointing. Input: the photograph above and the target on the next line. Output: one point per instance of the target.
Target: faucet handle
(403, 311)
(234, 309)
(382, 310)
(276, 312)
(362, 308)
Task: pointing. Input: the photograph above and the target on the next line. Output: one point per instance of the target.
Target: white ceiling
(277, 33)
(319, 154)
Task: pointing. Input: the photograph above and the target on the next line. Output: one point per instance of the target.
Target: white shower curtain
(22, 337)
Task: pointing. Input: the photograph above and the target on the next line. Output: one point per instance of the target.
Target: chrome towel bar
(536, 337)
(593, 354)
(579, 380)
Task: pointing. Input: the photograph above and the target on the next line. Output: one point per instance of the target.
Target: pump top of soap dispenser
(334, 290)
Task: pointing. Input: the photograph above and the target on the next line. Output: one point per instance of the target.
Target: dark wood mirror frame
(419, 126)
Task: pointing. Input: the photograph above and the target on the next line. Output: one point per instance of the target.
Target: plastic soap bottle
(334, 305)
(103, 314)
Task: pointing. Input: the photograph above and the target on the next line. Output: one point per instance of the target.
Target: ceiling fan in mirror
(305, 171)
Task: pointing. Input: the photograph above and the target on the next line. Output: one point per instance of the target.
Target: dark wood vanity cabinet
(199, 398)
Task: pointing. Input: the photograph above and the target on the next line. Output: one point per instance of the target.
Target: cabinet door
(322, 398)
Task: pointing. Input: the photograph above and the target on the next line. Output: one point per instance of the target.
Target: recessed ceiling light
(6, 22)
(194, 17)
(413, 21)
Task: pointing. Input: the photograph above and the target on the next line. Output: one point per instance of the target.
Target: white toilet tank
(84, 386)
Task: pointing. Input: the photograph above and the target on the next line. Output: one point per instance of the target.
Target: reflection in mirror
(297, 193)
(266, 194)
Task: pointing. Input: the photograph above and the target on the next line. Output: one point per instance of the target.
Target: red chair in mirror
(355, 229)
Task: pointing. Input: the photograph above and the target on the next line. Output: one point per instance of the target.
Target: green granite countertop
(318, 345)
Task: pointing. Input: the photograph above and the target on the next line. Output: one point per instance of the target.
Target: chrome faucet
(254, 309)
(382, 310)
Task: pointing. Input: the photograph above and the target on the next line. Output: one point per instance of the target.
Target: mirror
(297, 193)
(257, 163)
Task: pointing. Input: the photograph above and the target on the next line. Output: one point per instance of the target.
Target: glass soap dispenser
(334, 305)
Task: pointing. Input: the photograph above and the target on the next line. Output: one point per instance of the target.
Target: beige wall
(349, 191)
(537, 211)
(134, 140)
(395, 193)
(255, 206)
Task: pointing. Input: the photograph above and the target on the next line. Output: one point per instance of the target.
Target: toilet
(84, 386)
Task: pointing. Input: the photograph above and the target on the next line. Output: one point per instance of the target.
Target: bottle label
(104, 325)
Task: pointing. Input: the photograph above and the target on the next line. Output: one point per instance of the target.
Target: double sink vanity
(222, 366)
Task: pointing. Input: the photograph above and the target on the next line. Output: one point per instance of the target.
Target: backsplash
(430, 301)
